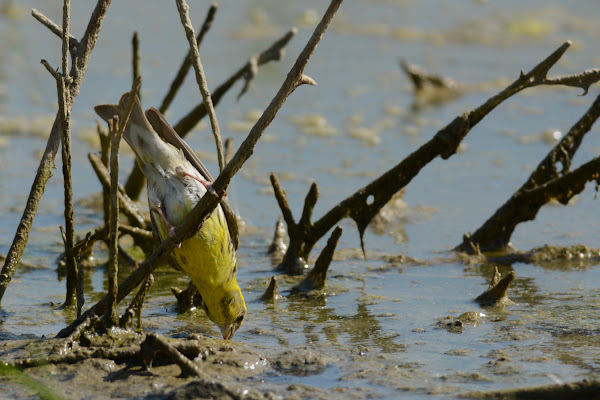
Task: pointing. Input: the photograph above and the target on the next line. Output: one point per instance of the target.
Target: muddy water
(379, 329)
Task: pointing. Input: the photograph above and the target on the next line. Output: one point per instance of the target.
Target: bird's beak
(228, 330)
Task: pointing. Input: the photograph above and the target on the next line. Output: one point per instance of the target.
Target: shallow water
(377, 326)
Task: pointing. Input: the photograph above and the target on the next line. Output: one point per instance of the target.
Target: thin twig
(127, 206)
(80, 287)
(209, 201)
(291, 263)
(274, 53)
(49, 68)
(183, 9)
(103, 160)
(110, 317)
(54, 28)
(142, 238)
(187, 61)
(135, 307)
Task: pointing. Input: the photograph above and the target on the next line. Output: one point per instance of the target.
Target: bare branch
(52, 71)
(274, 53)
(110, 317)
(65, 119)
(135, 307)
(183, 9)
(495, 233)
(582, 80)
(496, 293)
(54, 28)
(317, 277)
(116, 129)
(278, 245)
(282, 201)
(422, 79)
(271, 294)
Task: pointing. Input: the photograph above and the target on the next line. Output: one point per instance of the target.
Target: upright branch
(116, 129)
(317, 277)
(210, 200)
(183, 9)
(135, 60)
(135, 308)
(65, 120)
(365, 203)
(135, 182)
(495, 295)
(292, 263)
(110, 317)
(80, 53)
(545, 183)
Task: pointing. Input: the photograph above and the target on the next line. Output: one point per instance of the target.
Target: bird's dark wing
(164, 130)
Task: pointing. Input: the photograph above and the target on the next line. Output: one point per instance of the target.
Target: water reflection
(361, 330)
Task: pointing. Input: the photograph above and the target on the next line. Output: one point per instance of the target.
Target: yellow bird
(176, 180)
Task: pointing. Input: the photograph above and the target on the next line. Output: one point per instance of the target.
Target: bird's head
(228, 311)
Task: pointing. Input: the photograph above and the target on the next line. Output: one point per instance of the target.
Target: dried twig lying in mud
(365, 203)
(210, 200)
(154, 343)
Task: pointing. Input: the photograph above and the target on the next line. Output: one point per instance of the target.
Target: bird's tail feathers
(137, 117)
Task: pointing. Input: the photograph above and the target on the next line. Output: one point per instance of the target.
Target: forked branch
(366, 202)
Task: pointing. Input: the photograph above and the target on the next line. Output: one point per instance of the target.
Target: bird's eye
(239, 319)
